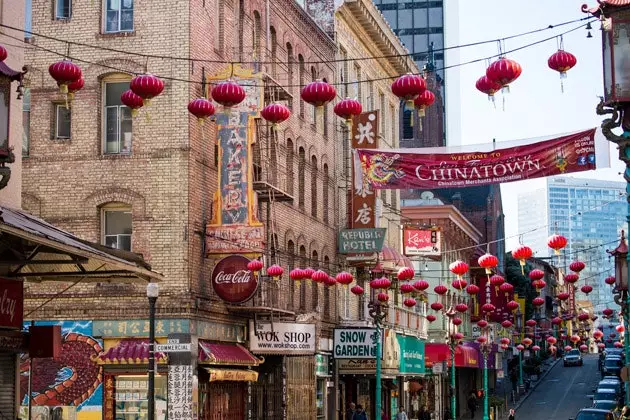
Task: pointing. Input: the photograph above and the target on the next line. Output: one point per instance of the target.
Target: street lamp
(153, 291)
(486, 347)
(622, 297)
(453, 342)
(376, 309)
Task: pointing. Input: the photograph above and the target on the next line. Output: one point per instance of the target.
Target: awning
(232, 375)
(438, 352)
(226, 354)
(38, 251)
(129, 351)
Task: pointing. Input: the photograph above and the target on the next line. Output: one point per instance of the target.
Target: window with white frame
(117, 119)
(63, 9)
(62, 121)
(118, 16)
(117, 227)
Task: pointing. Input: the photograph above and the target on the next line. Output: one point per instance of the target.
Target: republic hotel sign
(356, 343)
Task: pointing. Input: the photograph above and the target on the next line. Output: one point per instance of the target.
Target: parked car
(606, 405)
(593, 414)
(573, 358)
(616, 386)
(605, 395)
(612, 366)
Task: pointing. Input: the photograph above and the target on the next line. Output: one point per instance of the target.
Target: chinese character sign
(180, 390)
(363, 204)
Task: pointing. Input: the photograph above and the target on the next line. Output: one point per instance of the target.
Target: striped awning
(129, 351)
(226, 354)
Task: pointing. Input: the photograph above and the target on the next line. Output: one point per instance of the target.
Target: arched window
(291, 266)
(241, 27)
(116, 226)
(303, 283)
(289, 165)
(274, 51)
(257, 39)
(301, 71)
(325, 194)
(314, 186)
(301, 170)
(314, 284)
(290, 60)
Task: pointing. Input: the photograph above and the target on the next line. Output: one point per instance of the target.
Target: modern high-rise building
(426, 28)
(589, 213)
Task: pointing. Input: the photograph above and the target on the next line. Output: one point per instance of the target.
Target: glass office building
(590, 214)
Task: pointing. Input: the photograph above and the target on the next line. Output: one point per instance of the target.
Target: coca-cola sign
(232, 281)
(11, 303)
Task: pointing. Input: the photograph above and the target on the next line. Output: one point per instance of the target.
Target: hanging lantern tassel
(563, 75)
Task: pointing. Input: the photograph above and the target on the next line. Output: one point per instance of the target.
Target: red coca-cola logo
(232, 281)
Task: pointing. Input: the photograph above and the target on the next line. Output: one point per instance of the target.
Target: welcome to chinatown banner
(445, 167)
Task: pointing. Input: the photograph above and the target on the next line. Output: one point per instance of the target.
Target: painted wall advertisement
(282, 338)
(357, 343)
(232, 281)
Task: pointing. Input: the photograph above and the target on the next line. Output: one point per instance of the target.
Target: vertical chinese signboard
(180, 391)
(364, 135)
(235, 228)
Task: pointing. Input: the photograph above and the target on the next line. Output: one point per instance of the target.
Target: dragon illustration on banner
(73, 378)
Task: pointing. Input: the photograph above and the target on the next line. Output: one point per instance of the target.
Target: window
(26, 121)
(291, 266)
(303, 283)
(290, 173)
(382, 116)
(257, 38)
(28, 19)
(117, 119)
(63, 9)
(219, 26)
(290, 71)
(118, 16)
(343, 73)
(358, 90)
(301, 71)
(241, 28)
(274, 50)
(301, 169)
(314, 186)
(62, 121)
(117, 227)
(325, 193)
(407, 124)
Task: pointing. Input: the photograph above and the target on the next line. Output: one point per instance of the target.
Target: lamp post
(486, 346)
(377, 313)
(519, 327)
(152, 294)
(453, 342)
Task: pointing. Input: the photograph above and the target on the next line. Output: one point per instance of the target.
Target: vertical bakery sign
(364, 135)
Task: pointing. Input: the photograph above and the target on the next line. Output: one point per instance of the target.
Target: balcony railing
(407, 320)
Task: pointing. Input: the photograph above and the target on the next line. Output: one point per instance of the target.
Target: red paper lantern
(347, 108)
(431, 318)
(440, 289)
(568, 348)
(583, 317)
(275, 271)
(437, 306)
(563, 295)
(254, 265)
(536, 274)
(228, 93)
(472, 289)
(357, 290)
(522, 253)
(146, 86)
(601, 346)
(318, 93)
(458, 336)
(3, 53)
(520, 347)
(456, 321)
(74, 87)
(506, 324)
(406, 288)
(562, 61)
(552, 340)
(382, 297)
(527, 342)
(504, 71)
(556, 320)
(461, 307)
(512, 305)
(482, 323)
(275, 114)
(487, 86)
(421, 285)
(459, 268)
(586, 289)
(344, 278)
(577, 266)
(497, 280)
(405, 273)
(319, 276)
(505, 341)
(557, 242)
(620, 328)
(423, 101)
(488, 307)
(575, 338)
(201, 108)
(134, 102)
(535, 348)
(308, 273)
(506, 288)
(481, 339)
(610, 280)
(409, 302)
(408, 86)
(597, 335)
(64, 72)
(459, 284)
(531, 323)
(539, 284)
(571, 278)
(488, 262)
(583, 348)
(538, 301)
(296, 275)
(330, 281)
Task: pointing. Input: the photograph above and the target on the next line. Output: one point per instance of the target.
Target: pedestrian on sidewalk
(384, 415)
(424, 414)
(360, 413)
(472, 404)
(401, 415)
(511, 414)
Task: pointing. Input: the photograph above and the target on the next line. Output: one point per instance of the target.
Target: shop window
(62, 115)
(117, 226)
(117, 121)
(118, 16)
(130, 397)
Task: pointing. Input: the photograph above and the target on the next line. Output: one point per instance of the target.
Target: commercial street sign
(173, 348)
(352, 241)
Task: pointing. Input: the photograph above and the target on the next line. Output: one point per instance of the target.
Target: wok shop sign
(282, 338)
(359, 343)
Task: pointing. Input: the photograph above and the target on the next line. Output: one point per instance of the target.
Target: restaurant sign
(357, 343)
(352, 241)
(11, 303)
(422, 242)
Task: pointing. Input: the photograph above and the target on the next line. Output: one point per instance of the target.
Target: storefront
(323, 376)
(413, 390)
(11, 343)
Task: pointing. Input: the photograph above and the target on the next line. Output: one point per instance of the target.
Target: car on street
(612, 366)
(573, 358)
(614, 385)
(593, 414)
(606, 405)
(615, 352)
(605, 395)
